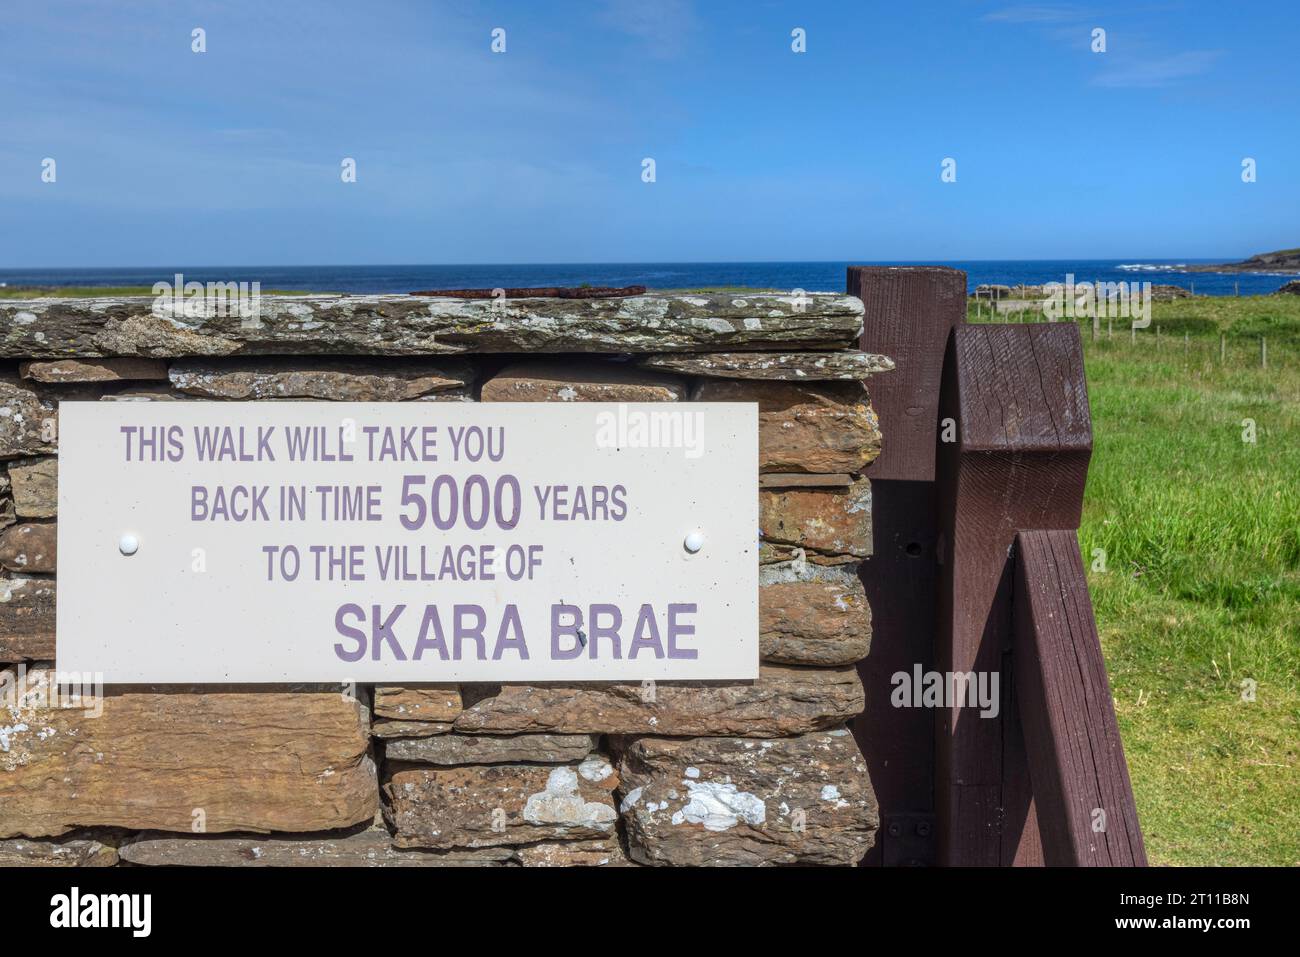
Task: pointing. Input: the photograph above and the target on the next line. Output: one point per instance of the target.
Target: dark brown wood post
(910, 312)
(1015, 437)
(1086, 812)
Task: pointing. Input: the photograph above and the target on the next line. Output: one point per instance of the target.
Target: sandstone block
(778, 396)
(439, 703)
(7, 514)
(839, 480)
(350, 380)
(35, 487)
(783, 701)
(93, 370)
(27, 422)
(147, 392)
(385, 728)
(498, 804)
(581, 381)
(26, 619)
(829, 526)
(493, 749)
(238, 759)
(805, 427)
(843, 365)
(813, 614)
(603, 852)
(356, 847)
(69, 851)
(368, 846)
(32, 549)
(734, 801)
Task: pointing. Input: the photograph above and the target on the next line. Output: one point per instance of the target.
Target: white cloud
(1155, 71)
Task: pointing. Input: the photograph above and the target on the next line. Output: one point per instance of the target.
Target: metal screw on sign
(128, 544)
(694, 541)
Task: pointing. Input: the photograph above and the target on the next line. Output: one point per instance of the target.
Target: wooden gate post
(909, 313)
(976, 501)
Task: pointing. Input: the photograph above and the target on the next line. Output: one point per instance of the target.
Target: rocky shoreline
(1283, 261)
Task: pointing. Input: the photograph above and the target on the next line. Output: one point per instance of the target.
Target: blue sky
(232, 156)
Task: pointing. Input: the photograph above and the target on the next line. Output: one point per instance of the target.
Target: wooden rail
(1076, 762)
(976, 572)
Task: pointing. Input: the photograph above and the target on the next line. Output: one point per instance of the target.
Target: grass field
(1198, 596)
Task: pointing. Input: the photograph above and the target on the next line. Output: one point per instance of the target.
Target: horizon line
(644, 262)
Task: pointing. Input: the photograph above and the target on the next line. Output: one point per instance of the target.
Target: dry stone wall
(682, 773)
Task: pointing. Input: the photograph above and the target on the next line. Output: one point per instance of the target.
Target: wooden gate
(976, 501)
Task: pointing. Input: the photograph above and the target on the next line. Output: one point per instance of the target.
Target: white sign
(405, 542)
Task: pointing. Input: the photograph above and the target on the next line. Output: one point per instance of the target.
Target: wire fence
(1112, 334)
(1235, 352)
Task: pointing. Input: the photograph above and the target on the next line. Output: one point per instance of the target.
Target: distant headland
(1282, 261)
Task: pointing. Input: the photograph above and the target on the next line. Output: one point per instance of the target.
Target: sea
(809, 276)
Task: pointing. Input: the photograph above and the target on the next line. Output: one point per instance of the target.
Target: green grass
(1201, 587)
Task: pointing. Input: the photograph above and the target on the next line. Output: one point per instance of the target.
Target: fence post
(1223, 348)
(1263, 353)
(909, 313)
